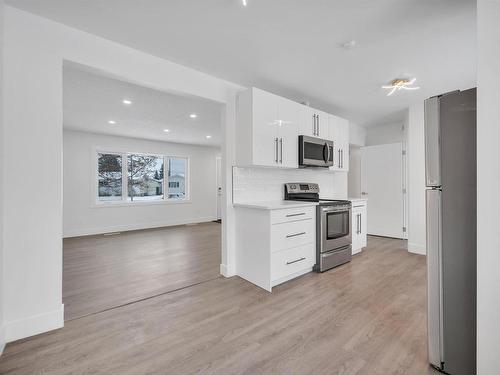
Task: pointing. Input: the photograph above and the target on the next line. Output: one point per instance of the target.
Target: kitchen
(304, 221)
(308, 285)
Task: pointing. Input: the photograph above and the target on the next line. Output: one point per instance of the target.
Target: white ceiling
(293, 47)
(91, 100)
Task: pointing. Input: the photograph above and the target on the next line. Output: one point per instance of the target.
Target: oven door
(315, 152)
(335, 228)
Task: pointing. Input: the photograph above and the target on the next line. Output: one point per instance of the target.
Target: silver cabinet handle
(314, 124)
(340, 166)
(295, 234)
(295, 261)
(281, 150)
(360, 228)
(292, 215)
(318, 126)
(276, 150)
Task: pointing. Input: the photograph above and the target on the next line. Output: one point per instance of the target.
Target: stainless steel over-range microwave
(315, 152)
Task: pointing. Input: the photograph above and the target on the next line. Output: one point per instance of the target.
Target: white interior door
(218, 168)
(382, 184)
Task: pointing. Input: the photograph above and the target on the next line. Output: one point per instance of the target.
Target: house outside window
(132, 178)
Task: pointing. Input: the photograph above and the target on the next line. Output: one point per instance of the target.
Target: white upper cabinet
(268, 126)
(339, 134)
(267, 130)
(313, 123)
(288, 133)
(265, 114)
(323, 130)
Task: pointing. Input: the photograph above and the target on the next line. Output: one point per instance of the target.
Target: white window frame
(95, 202)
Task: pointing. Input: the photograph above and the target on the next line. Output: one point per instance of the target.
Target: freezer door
(434, 278)
(432, 143)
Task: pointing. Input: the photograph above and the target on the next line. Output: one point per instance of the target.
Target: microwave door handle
(325, 152)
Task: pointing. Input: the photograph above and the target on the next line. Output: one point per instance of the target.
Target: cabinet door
(363, 234)
(334, 135)
(265, 128)
(323, 130)
(356, 244)
(343, 135)
(307, 121)
(288, 133)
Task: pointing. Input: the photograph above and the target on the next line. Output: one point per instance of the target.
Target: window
(177, 178)
(109, 171)
(130, 178)
(145, 177)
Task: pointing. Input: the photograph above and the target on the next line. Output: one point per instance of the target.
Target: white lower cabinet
(358, 226)
(274, 246)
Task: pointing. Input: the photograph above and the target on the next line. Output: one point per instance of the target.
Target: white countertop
(353, 200)
(275, 205)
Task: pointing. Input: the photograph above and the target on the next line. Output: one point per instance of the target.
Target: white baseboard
(127, 227)
(34, 325)
(2, 339)
(227, 271)
(417, 248)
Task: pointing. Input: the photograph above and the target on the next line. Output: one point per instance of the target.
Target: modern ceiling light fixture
(112, 122)
(349, 45)
(244, 2)
(127, 101)
(208, 136)
(166, 130)
(400, 84)
(193, 115)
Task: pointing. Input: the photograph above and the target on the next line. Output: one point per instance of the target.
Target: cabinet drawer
(292, 214)
(287, 262)
(293, 234)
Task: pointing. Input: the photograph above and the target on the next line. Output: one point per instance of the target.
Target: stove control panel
(301, 187)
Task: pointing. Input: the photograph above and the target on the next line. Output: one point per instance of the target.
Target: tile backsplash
(266, 184)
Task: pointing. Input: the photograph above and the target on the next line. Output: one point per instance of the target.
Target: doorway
(139, 177)
(382, 182)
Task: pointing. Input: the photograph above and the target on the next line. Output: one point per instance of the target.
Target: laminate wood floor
(365, 317)
(101, 272)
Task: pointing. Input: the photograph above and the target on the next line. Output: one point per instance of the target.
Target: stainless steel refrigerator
(450, 148)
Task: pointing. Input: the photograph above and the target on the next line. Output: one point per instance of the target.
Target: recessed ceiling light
(112, 122)
(209, 136)
(166, 130)
(127, 101)
(193, 115)
(400, 84)
(244, 2)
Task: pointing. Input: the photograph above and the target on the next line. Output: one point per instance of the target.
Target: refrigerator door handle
(434, 278)
(432, 142)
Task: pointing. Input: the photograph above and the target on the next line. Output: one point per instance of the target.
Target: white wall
(357, 134)
(267, 184)
(2, 335)
(35, 49)
(384, 134)
(354, 174)
(82, 217)
(416, 179)
(488, 185)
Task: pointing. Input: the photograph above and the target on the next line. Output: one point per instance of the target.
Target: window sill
(140, 203)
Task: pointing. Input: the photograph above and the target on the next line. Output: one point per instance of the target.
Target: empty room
(249, 187)
(140, 191)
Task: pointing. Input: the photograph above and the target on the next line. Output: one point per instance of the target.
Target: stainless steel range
(333, 229)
